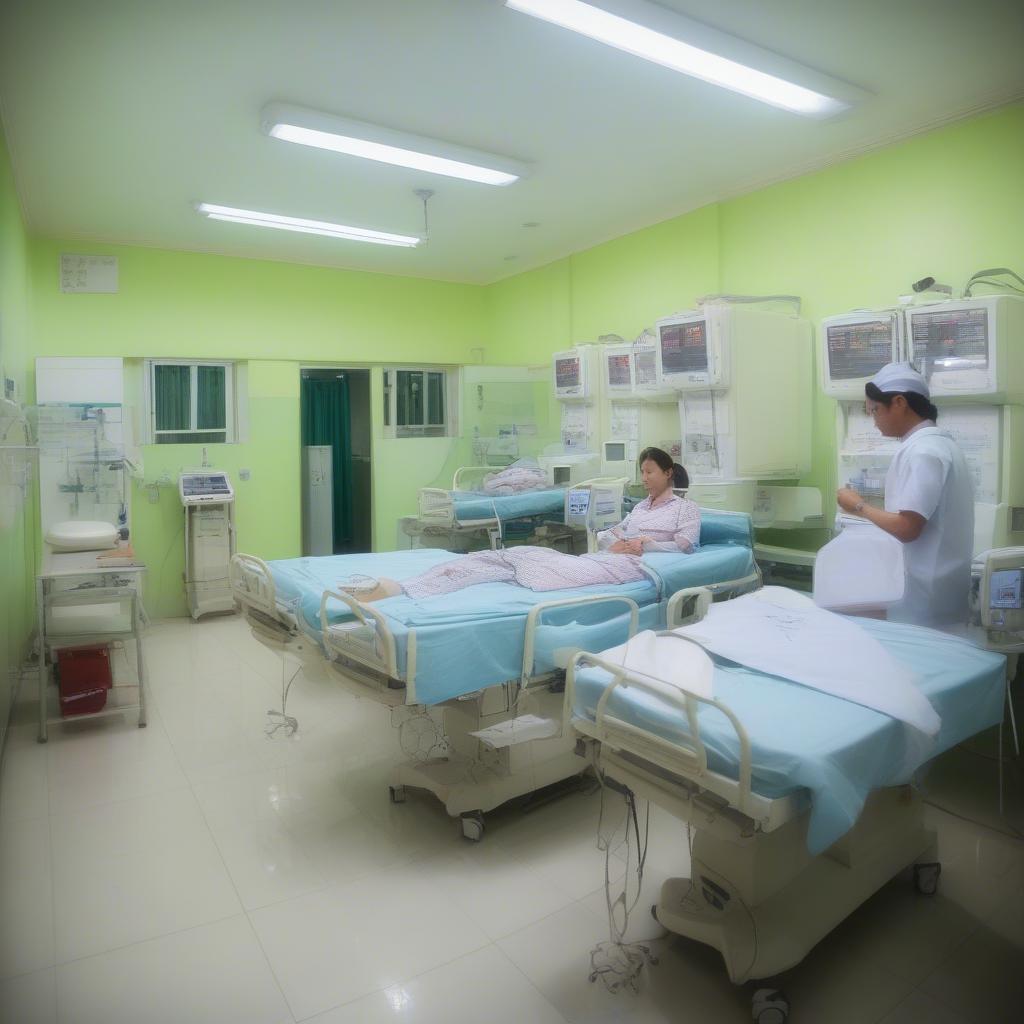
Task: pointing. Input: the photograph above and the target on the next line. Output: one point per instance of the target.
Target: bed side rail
(536, 614)
(253, 584)
(686, 755)
(471, 478)
(378, 651)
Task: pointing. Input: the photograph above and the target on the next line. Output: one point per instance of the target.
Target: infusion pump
(208, 499)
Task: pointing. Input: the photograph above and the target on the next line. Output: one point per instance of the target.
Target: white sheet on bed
(783, 633)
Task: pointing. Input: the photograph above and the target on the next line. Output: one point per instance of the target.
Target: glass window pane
(211, 408)
(435, 398)
(410, 397)
(171, 397)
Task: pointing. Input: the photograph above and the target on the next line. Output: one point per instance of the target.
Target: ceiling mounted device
(385, 145)
(304, 226)
(668, 38)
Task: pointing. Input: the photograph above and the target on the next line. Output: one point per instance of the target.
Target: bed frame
(755, 893)
(468, 775)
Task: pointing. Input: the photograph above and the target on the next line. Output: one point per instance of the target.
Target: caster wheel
(769, 1006)
(397, 794)
(926, 878)
(473, 826)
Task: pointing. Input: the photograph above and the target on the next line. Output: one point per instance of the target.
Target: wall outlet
(244, 474)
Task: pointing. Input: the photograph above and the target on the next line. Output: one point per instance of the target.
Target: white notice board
(87, 273)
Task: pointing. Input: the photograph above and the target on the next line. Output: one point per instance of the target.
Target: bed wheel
(473, 826)
(926, 878)
(397, 794)
(770, 1006)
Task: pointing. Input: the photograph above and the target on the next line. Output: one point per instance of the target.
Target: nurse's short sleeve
(922, 486)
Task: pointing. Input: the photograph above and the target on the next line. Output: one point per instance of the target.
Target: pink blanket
(538, 569)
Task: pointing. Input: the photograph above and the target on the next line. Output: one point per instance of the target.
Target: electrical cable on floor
(618, 963)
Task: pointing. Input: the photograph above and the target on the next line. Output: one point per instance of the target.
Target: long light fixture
(668, 49)
(308, 227)
(373, 142)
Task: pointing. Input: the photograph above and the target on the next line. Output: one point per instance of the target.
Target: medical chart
(625, 422)
(976, 431)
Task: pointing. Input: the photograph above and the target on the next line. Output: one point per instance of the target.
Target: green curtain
(211, 400)
(325, 420)
(172, 399)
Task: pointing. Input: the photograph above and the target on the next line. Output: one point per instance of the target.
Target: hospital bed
(798, 801)
(456, 518)
(491, 656)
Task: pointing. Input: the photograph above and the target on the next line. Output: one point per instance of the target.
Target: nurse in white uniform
(929, 499)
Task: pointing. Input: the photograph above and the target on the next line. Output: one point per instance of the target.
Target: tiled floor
(198, 871)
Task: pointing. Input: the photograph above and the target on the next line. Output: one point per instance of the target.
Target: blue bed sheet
(803, 738)
(475, 505)
(474, 637)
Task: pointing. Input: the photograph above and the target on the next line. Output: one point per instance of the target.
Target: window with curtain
(416, 402)
(191, 403)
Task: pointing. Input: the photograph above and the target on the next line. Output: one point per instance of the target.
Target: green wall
(857, 234)
(279, 317)
(17, 515)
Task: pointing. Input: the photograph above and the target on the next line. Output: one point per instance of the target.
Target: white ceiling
(120, 114)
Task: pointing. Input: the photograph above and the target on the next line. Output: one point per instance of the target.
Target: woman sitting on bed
(662, 521)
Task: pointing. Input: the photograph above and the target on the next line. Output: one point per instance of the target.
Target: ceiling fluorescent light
(308, 227)
(372, 142)
(668, 49)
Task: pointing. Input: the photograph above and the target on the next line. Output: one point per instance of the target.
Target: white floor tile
(266, 863)
(345, 942)
(919, 1008)
(24, 790)
(215, 974)
(481, 986)
(30, 998)
(983, 981)
(687, 983)
(500, 893)
(26, 896)
(106, 781)
(106, 897)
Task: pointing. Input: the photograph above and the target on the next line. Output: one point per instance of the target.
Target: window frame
(196, 436)
(425, 428)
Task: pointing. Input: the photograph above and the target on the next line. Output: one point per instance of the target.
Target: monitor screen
(952, 339)
(567, 372)
(615, 451)
(646, 368)
(684, 347)
(1006, 588)
(859, 350)
(193, 485)
(618, 371)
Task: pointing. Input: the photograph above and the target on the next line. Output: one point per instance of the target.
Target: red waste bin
(84, 677)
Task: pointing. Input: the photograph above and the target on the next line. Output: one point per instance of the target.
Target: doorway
(336, 486)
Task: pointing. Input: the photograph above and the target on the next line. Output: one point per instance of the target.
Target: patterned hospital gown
(672, 524)
(538, 569)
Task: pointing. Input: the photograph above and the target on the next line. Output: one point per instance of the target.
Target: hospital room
(511, 511)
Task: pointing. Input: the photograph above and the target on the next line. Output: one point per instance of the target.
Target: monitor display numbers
(684, 347)
(953, 339)
(567, 372)
(619, 374)
(859, 350)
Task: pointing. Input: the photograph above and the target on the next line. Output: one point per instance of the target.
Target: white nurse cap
(900, 377)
